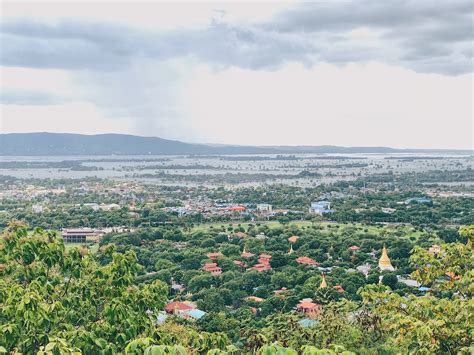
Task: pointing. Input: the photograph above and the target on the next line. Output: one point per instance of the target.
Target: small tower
(384, 261)
(323, 283)
(291, 250)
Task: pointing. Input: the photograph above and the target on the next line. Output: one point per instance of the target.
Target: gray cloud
(423, 36)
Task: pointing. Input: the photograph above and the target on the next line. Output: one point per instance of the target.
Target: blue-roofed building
(194, 314)
(320, 207)
(308, 323)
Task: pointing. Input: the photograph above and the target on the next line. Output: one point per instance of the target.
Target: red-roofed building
(214, 256)
(236, 209)
(309, 309)
(213, 268)
(240, 263)
(304, 260)
(264, 258)
(246, 254)
(338, 288)
(177, 307)
(354, 248)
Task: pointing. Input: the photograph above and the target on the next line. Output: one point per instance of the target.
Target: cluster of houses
(306, 307)
(182, 309)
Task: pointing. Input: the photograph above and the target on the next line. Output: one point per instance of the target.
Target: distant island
(43, 143)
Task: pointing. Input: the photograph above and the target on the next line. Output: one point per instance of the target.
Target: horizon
(241, 145)
(353, 73)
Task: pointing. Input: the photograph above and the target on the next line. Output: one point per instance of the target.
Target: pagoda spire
(323, 283)
(384, 261)
(291, 250)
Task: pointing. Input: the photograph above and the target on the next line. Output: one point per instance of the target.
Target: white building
(264, 207)
(320, 207)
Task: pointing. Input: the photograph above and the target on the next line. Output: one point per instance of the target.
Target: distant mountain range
(37, 144)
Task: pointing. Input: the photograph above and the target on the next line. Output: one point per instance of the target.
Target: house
(304, 260)
(193, 314)
(354, 248)
(178, 307)
(339, 288)
(177, 287)
(235, 209)
(213, 268)
(264, 207)
(308, 308)
(81, 235)
(264, 258)
(240, 263)
(320, 207)
(388, 210)
(246, 254)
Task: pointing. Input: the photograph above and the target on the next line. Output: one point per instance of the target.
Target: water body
(180, 169)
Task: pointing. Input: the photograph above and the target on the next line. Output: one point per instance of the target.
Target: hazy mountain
(17, 144)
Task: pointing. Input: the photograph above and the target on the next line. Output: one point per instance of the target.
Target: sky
(348, 73)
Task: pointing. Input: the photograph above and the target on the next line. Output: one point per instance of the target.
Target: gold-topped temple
(384, 261)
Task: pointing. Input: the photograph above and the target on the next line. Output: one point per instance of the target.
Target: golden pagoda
(323, 283)
(384, 261)
(291, 250)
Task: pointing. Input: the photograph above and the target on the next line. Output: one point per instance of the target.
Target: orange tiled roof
(306, 261)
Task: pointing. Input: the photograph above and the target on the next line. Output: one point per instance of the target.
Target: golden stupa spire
(291, 250)
(323, 283)
(384, 261)
(244, 250)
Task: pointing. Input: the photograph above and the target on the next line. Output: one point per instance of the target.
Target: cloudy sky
(351, 73)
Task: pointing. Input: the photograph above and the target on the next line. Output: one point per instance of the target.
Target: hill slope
(17, 144)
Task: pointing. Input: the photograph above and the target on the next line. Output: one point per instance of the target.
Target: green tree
(50, 295)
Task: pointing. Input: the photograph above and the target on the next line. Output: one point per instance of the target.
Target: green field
(407, 230)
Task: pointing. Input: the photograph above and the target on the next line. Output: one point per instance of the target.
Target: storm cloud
(423, 36)
(224, 73)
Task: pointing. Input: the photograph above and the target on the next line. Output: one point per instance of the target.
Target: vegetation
(54, 300)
